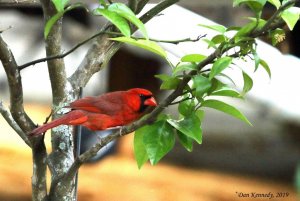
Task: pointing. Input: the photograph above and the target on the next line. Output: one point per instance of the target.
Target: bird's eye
(141, 95)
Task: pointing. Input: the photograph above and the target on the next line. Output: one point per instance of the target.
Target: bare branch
(60, 56)
(140, 5)
(39, 187)
(10, 3)
(132, 4)
(9, 119)
(15, 88)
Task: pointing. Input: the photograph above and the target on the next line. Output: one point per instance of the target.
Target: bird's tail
(71, 118)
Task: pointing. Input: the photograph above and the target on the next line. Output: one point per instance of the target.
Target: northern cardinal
(105, 111)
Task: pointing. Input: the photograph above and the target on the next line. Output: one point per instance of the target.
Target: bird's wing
(99, 104)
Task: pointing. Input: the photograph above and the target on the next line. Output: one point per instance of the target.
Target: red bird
(105, 111)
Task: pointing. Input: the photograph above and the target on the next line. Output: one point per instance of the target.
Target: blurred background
(234, 159)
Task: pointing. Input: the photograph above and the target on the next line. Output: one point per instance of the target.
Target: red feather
(105, 111)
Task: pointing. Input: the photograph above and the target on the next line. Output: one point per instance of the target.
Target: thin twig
(60, 56)
(180, 101)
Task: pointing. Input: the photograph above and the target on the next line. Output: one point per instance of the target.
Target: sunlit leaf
(144, 44)
(189, 126)
(227, 92)
(140, 153)
(255, 5)
(219, 65)
(186, 107)
(210, 43)
(248, 83)
(51, 22)
(169, 82)
(215, 27)
(202, 85)
(60, 4)
(186, 141)
(122, 10)
(185, 67)
(159, 139)
(57, 16)
(226, 108)
(116, 19)
(193, 58)
(265, 65)
(218, 39)
(291, 16)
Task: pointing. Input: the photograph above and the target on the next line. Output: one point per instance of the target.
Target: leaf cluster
(204, 77)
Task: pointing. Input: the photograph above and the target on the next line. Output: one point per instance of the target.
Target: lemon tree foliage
(204, 76)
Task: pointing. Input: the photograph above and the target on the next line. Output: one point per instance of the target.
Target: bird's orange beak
(150, 101)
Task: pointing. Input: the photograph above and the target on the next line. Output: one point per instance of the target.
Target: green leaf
(193, 58)
(169, 82)
(158, 139)
(215, 27)
(60, 4)
(144, 44)
(185, 67)
(291, 16)
(57, 16)
(247, 29)
(51, 22)
(186, 107)
(210, 43)
(248, 83)
(227, 77)
(219, 65)
(216, 85)
(122, 10)
(200, 114)
(276, 3)
(264, 64)
(255, 5)
(218, 39)
(116, 19)
(189, 126)
(226, 108)
(202, 85)
(227, 92)
(140, 152)
(186, 141)
(256, 60)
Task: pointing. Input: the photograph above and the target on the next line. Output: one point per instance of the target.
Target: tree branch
(140, 5)
(60, 56)
(9, 119)
(132, 4)
(15, 88)
(39, 188)
(61, 156)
